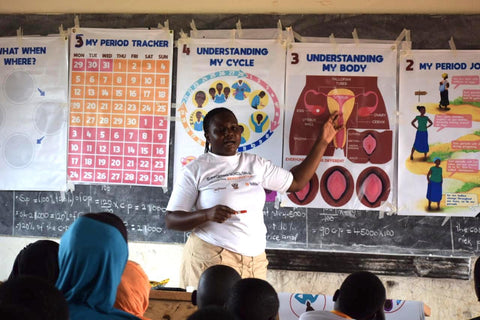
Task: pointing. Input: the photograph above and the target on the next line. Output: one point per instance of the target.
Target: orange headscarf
(133, 291)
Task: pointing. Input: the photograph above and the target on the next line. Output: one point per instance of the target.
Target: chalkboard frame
(427, 31)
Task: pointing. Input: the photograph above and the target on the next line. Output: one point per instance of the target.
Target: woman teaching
(220, 198)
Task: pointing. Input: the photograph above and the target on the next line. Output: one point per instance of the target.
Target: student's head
(437, 161)
(361, 296)
(476, 278)
(40, 259)
(222, 132)
(198, 115)
(31, 297)
(212, 313)
(261, 94)
(219, 87)
(92, 256)
(200, 98)
(444, 75)
(134, 290)
(253, 299)
(214, 286)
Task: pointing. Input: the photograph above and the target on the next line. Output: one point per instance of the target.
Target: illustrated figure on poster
(240, 89)
(219, 197)
(219, 96)
(242, 138)
(444, 85)
(257, 100)
(435, 181)
(421, 123)
(212, 92)
(258, 122)
(200, 98)
(198, 124)
(226, 92)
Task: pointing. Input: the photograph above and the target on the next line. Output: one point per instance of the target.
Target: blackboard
(294, 234)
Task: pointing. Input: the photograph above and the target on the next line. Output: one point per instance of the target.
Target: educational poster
(439, 133)
(293, 305)
(120, 106)
(245, 76)
(33, 113)
(358, 81)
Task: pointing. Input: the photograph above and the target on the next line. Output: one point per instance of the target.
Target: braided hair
(208, 118)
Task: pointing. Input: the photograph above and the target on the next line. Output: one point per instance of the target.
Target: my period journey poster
(439, 133)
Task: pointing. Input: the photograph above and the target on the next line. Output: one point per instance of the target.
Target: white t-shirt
(234, 181)
(320, 315)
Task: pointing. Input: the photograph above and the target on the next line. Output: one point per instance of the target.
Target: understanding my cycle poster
(358, 81)
(245, 76)
(439, 133)
(33, 113)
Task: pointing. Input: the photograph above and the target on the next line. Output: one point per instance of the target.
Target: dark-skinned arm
(188, 220)
(305, 170)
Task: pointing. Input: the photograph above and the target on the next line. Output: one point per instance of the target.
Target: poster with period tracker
(358, 81)
(33, 113)
(439, 133)
(120, 89)
(245, 76)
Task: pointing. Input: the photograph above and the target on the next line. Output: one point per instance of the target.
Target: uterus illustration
(357, 101)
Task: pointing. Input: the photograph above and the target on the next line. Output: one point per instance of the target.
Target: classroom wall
(245, 6)
(448, 299)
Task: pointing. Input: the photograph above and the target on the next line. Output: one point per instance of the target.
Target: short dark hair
(476, 278)
(253, 299)
(111, 219)
(39, 296)
(215, 285)
(39, 258)
(208, 118)
(361, 294)
(211, 313)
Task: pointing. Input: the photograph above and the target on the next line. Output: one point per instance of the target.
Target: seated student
(214, 286)
(31, 297)
(133, 291)
(39, 258)
(92, 255)
(211, 312)
(253, 299)
(361, 296)
(476, 281)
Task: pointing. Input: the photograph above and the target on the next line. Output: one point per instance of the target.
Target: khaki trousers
(198, 255)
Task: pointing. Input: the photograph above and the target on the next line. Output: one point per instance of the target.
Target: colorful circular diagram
(215, 86)
(49, 117)
(19, 86)
(19, 150)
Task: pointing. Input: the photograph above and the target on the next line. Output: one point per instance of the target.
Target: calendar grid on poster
(118, 120)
